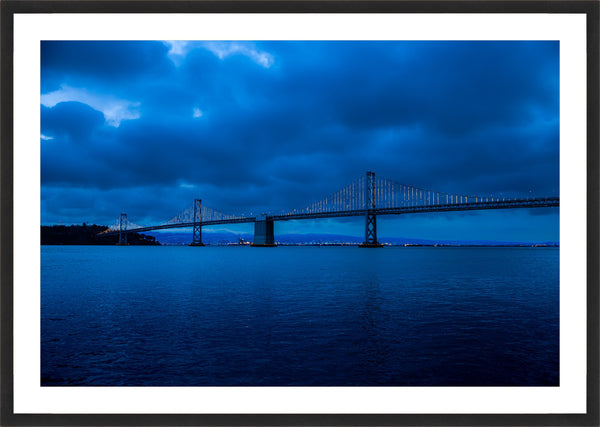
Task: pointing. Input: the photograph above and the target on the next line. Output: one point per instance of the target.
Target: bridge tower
(370, 216)
(123, 229)
(197, 230)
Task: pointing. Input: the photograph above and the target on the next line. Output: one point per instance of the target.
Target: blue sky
(146, 127)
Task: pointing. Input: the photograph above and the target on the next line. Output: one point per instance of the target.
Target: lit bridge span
(367, 196)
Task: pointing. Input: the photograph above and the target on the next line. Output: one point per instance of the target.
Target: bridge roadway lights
(263, 233)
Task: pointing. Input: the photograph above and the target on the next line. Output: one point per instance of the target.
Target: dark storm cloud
(71, 121)
(247, 126)
(101, 63)
(457, 86)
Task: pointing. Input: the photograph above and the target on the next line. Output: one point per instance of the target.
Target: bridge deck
(503, 204)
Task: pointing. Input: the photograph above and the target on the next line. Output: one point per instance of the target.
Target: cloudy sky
(146, 127)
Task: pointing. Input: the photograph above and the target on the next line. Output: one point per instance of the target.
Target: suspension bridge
(367, 196)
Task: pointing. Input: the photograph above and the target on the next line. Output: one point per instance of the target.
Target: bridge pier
(370, 217)
(263, 232)
(197, 229)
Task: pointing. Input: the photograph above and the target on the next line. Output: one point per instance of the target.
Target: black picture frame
(10, 8)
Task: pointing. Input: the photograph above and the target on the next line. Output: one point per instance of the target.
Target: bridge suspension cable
(392, 194)
(388, 194)
(208, 214)
(350, 197)
(186, 216)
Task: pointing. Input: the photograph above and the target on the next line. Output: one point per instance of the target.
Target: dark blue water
(310, 316)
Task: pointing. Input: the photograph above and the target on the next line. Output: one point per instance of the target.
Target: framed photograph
(299, 213)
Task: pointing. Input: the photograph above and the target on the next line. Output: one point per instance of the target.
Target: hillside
(88, 235)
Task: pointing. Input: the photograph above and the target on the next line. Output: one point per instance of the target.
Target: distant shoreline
(384, 245)
(84, 234)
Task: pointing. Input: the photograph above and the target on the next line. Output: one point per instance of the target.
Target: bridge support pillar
(371, 232)
(197, 229)
(123, 229)
(370, 216)
(263, 232)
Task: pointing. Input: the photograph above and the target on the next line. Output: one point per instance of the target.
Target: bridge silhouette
(367, 196)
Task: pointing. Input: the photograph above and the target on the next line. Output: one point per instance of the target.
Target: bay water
(299, 316)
